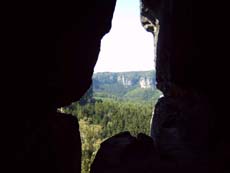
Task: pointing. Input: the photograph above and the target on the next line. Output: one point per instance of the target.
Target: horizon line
(124, 71)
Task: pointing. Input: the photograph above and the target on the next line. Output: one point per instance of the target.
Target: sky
(128, 46)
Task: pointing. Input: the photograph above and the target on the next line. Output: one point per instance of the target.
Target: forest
(102, 115)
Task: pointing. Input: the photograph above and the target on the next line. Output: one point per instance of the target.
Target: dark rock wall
(189, 123)
(124, 153)
(49, 50)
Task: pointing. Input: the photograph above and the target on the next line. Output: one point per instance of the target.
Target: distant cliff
(142, 79)
(126, 85)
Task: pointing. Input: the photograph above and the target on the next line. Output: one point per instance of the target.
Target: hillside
(136, 85)
(116, 102)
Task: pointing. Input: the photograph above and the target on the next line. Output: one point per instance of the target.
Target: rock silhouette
(48, 54)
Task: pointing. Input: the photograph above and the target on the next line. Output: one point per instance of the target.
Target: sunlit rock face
(124, 81)
(140, 79)
(146, 83)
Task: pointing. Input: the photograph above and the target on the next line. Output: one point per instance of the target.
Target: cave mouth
(123, 91)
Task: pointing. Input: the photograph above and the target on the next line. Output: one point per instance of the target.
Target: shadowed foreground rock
(48, 52)
(50, 49)
(190, 122)
(124, 153)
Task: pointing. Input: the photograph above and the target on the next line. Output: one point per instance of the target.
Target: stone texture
(48, 53)
(50, 49)
(189, 123)
(54, 146)
(174, 132)
(124, 153)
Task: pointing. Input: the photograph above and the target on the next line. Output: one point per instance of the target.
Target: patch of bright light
(127, 47)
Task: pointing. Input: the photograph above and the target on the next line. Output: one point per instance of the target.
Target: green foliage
(123, 85)
(103, 119)
(140, 94)
(109, 107)
(91, 139)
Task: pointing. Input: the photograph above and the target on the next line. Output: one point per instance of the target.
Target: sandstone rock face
(187, 121)
(173, 128)
(52, 144)
(49, 51)
(124, 153)
(142, 79)
(124, 81)
(145, 83)
(50, 48)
